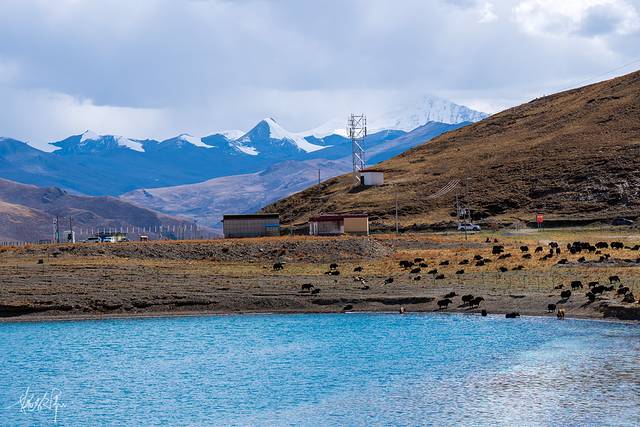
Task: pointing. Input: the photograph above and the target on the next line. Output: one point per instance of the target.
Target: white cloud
(158, 68)
(42, 116)
(486, 12)
(577, 17)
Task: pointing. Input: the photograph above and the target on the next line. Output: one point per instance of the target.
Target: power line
(575, 85)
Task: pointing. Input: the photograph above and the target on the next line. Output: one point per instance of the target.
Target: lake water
(342, 369)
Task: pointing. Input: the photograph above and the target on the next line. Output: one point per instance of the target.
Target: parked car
(93, 240)
(468, 227)
(109, 239)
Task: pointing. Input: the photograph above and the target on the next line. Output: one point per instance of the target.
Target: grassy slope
(573, 154)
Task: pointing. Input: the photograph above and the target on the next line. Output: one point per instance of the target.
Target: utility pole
(397, 224)
(318, 176)
(57, 232)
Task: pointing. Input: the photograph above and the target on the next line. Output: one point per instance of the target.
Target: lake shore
(100, 281)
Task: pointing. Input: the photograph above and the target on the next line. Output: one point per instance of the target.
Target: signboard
(539, 218)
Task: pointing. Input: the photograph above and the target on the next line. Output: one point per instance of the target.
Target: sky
(159, 68)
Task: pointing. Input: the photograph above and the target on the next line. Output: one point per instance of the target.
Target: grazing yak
(617, 245)
(278, 266)
(307, 286)
(558, 286)
(444, 263)
(565, 294)
(477, 257)
(554, 245)
(512, 315)
(518, 268)
(315, 291)
(460, 272)
(503, 269)
(563, 261)
(582, 259)
(415, 270)
(418, 260)
(590, 296)
(504, 256)
(423, 265)
(497, 250)
(526, 256)
(598, 289)
(406, 264)
(464, 262)
(333, 266)
(434, 271)
(334, 272)
(388, 280)
(467, 298)
(451, 295)
(440, 277)
(551, 308)
(358, 269)
(480, 263)
(444, 303)
(418, 277)
(602, 245)
(524, 248)
(539, 249)
(476, 302)
(613, 279)
(629, 298)
(576, 284)
(592, 284)
(623, 290)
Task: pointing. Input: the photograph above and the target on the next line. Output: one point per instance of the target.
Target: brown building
(253, 225)
(334, 224)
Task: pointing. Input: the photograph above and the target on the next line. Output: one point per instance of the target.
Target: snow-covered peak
(270, 129)
(89, 135)
(427, 109)
(231, 135)
(121, 141)
(192, 140)
(335, 126)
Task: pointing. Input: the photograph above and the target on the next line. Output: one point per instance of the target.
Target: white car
(468, 227)
(109, 239)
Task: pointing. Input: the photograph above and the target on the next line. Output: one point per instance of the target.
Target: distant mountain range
(222, 169)
(209, 200)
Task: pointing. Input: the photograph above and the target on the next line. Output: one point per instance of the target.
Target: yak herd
(469, 301)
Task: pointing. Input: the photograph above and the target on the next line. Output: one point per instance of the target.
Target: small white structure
(372, 177)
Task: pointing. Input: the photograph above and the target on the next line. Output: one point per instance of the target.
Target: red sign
(539, 218)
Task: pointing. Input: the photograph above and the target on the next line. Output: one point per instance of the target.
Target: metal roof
(252, 216)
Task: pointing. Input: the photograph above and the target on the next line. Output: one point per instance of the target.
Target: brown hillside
(27, 212)
(574, 155)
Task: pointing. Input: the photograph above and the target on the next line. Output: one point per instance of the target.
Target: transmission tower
(357, 132)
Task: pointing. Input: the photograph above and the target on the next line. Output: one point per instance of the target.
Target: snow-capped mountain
(428, 109)
(269, 138)
(91, 142)
(185, 138)
(407, 118)
(94, 164)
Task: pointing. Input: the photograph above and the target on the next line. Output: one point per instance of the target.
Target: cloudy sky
(156, 68)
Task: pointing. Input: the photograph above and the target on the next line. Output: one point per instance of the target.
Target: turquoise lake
(330, 369)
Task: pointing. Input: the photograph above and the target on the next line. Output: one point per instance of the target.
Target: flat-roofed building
(372, 177)
(335, 224)
(251, 225)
